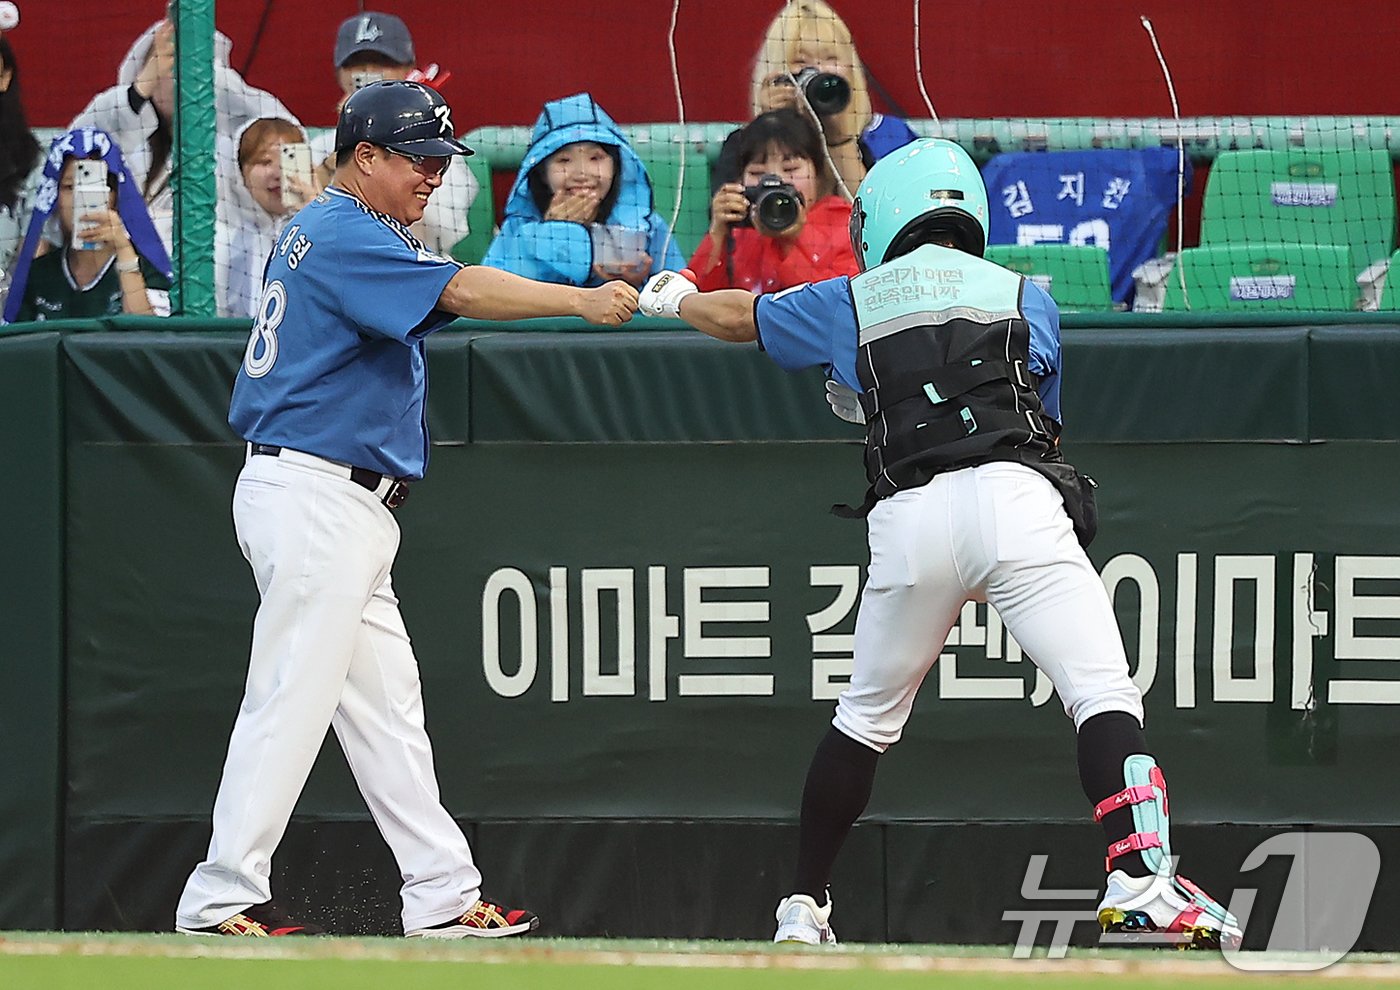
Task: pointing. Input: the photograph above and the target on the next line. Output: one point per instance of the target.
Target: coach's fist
(609, 305)
(662, 294)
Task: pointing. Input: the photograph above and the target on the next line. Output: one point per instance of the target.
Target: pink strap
(1158, 780)
(1133, 843)
(1191, 888)
(1129, 795)
(1186, 919)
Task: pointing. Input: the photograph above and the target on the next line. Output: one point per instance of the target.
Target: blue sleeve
(387, 286)
(900, 132)
(811, 325)
(888, 135)
(546, 250)
(1044, 318)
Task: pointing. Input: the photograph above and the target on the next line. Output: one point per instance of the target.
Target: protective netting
(1194, 162)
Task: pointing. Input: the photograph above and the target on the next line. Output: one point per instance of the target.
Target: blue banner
(1118, 200)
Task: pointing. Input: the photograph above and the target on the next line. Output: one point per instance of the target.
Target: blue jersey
(334, 365)
(814, 325)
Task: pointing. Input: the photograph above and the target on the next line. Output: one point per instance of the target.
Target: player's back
(933, 278)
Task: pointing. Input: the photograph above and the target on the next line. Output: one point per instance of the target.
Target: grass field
(30, 961)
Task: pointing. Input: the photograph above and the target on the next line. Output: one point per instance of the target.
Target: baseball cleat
(800, 920)
(1164, 911)
(482, 920)
(264, 920)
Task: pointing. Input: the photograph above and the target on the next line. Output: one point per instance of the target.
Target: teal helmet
(929, 186)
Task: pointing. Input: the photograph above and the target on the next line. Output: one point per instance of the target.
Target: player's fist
(609, 305)
(844, 402)
(662, 294)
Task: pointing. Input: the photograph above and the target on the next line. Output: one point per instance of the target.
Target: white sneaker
(800, 920)
(1165, 911)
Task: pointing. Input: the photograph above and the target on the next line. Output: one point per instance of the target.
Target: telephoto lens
(827, 92)
(776, 204)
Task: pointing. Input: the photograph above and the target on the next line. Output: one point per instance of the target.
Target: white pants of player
(329, 649)
(996, 533)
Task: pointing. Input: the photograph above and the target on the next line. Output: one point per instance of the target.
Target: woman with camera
(783, 224)
(808, 48)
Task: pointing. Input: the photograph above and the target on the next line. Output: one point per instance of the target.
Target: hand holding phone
(90, 196)
(297, 185)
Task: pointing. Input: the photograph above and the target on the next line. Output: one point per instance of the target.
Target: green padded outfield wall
(31, 659)
(695, 600)
(631, 605)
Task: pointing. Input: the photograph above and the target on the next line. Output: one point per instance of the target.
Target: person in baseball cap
(376, 47)
(365, 36)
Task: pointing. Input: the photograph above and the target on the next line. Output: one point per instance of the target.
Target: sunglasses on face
(427, 166)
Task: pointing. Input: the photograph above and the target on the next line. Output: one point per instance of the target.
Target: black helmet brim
(432, 147)
(966, 232)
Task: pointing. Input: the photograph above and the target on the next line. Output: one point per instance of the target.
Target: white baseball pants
(996, 533)
(329, 649)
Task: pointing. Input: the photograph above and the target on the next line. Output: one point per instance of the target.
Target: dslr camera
(827, 92)
(776, 205)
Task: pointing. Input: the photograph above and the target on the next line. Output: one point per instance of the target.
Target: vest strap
(939, 385)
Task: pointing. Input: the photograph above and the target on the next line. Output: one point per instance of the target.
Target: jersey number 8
(270, 313)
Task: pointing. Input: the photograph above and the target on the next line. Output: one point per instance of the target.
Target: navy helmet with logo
(401, 116)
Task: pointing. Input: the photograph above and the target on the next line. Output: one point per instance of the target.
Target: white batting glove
(662, 294)
(844, 402)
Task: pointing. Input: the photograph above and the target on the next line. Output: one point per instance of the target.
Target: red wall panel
(1005, 58)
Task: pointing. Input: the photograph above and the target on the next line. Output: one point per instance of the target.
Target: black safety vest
(943, 361)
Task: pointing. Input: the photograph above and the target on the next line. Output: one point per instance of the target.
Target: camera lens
(827, 92)
(776, 210)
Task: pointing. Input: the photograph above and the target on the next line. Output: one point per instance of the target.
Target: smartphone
(296, 164)
(362, 79)
(90, 195)
(616, 247)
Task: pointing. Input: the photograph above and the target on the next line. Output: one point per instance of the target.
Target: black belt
(393, 497)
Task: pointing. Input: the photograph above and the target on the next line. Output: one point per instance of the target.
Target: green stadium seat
(1298, 196)
(504, 146)
(1076, 277)
(481, 216)
(663, 164)
(1390, 294)
(1264, 278)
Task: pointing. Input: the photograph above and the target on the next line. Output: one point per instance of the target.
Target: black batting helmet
(401, 116)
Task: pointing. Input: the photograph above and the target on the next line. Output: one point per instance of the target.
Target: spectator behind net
(371, 47)
(138, 111)
(810, 35)
(128, 270)
(252, 211)
(784, 175)
(19, 160)
(581, 209)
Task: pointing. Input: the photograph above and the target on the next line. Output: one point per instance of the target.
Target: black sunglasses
(425, 165)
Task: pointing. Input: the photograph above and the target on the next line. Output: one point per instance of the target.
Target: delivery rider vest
(943, 361)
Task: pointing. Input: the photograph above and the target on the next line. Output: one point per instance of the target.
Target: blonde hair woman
(810, 34)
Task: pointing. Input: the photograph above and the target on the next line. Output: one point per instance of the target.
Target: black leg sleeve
(835, 795)
(1105, 741)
